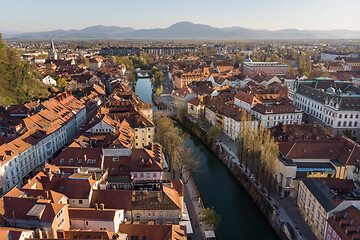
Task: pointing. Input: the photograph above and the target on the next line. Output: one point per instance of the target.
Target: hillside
(18, 79)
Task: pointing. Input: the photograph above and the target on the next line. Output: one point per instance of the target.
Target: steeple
(52, 54)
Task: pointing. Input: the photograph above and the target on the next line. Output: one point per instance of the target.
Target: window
(115, 159)
(87, 223)
(154, 175)
(340, 116)
(345, 115)
(71, 160)
(88, 161)
(351, 116)
(141, 175)
(93, 161)
(339, 124)
(79, 161)
(81, 202)
(61, 160)
(344, 123)
(135, 175)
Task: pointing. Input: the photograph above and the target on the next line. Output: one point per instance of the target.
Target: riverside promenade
(195, 206)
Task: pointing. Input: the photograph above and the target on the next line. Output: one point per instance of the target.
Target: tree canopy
(19, 80)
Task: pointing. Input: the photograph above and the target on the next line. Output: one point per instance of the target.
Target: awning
(209, 234)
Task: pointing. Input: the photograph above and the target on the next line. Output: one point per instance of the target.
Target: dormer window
(79, 161)
(71, 160)
(88, 161)
(93, 161)
(61, 160)
(115, 159)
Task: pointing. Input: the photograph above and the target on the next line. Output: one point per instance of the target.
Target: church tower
(52, 54)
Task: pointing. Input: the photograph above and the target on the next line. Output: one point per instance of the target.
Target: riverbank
(229, 159)
(232, 201)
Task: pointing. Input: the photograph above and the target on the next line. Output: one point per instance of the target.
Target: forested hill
(19, 80)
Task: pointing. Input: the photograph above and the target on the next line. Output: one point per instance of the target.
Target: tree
(61, 83)
(131, 78)
(185, 162)
(154, 70)
(182, 113)
(213, 133)
(210, 216)
(19, 80)
(159, 90)
(158, 79)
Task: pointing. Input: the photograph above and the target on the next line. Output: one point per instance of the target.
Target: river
(240, 218)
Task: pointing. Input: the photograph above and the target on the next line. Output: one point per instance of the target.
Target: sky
(45, 15)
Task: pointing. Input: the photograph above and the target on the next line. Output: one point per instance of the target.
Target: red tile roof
(80, 157)
(147, 159)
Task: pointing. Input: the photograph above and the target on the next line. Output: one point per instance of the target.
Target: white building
(334, 104)
(272, 115)
(96, 219)
(47, 132)
(48, 80)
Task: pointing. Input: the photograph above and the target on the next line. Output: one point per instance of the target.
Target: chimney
(96, 206)
(94, 175)
(60, 234)
(29, 181)
(102, 206)
(46, 194)
(50, 176)
(85, 158)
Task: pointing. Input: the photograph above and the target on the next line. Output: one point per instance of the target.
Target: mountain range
(184, 30)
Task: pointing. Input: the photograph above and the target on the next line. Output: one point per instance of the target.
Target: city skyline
(259, 14)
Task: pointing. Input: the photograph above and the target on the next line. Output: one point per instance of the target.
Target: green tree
(19, 80)
(131, 78)
(213, 133)
(210, 216)
(182, 113)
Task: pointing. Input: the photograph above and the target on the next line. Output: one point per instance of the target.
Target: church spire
(52, 54)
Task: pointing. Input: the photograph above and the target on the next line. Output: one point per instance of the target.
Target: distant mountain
(94, 32)
(187, 30)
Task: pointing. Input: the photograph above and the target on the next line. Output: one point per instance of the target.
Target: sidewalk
(195, 207)
(289, 212)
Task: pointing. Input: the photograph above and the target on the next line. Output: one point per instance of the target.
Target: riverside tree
(258, 152)
(173, 143)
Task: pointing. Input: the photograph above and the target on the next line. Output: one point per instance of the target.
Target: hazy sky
(42, 15)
